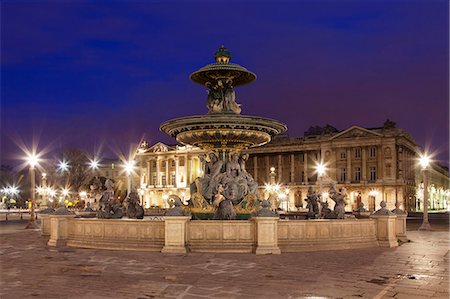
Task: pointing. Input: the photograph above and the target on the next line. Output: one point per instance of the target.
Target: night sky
(102, 76)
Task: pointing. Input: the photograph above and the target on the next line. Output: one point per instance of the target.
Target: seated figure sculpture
(224, 206)
(206, 185)
(237, 185)
(312, 204)
(339, 199)
(325, 211)
(109, 208)
(221, 97)
(134, 209)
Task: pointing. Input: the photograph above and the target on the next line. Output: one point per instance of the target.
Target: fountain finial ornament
(224, 133)
(222, 55)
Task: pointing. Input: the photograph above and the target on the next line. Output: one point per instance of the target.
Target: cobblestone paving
(30, 269)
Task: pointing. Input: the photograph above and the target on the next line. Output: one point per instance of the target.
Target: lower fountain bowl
(223, 131)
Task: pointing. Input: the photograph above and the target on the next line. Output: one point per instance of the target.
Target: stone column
(175, 234)
(364, 164)
(188, 166)
(267, 162)
(255, 168)
(292, 168)
(379, 169)
(150, 172)
(349, 167)
(185, 172)
(305, 167)
(59, 225)
(280, 168)
(266, 235)
(177, 177)
(157, 182)
(168, 182)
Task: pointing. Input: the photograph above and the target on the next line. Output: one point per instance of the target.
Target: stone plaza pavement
(30, 269)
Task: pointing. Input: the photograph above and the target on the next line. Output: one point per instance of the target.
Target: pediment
(160, 147)
(355, 132)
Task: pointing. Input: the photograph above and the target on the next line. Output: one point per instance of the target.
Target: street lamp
(424, 162)
(129, 166)
(93, 164)
(44, 198)
(64, 193)
(320, 169)
(33, 161)
(63, 166)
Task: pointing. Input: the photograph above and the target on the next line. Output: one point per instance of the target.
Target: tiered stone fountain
(225, 133)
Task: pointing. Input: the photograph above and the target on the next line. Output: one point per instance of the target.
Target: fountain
(225, 133)
(228, 189)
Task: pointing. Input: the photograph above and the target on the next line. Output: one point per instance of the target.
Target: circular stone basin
(239, 74)
(223, 131)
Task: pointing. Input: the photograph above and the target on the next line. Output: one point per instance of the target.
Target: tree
(77, 175)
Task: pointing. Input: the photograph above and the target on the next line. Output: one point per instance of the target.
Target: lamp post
(93, 164)
(32, 160)
(424, 163)
(44, 195)
(129, 166)
(64, 192)
(320, 169)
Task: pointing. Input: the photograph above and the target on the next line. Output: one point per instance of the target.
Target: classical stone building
(166, 170)
(372, 164)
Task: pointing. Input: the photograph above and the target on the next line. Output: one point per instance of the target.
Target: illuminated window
(357, 174)
(342, 175)
(373, 173)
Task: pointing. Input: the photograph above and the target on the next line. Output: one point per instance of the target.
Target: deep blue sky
(90, 74)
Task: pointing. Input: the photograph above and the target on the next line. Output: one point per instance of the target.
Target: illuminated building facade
(372, 164)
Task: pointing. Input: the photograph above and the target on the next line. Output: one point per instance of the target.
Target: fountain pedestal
(266, 235)
(225, 133)
(175, 234)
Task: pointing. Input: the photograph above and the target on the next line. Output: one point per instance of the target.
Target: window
(164, 180)
(343, 156)
(154, 180)
(303, 176)
(357, 174)
(173, 180)
(164, 164)
(373, 174)
(173, 163)
(373, 152)
(154, 164)
(342, 175)
(358, 152)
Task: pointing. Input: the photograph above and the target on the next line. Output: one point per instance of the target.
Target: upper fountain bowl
(223, 69)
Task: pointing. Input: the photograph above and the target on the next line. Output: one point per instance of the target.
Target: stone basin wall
(312, 235)
(120, 234)
(221, 236)
(262, 235)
